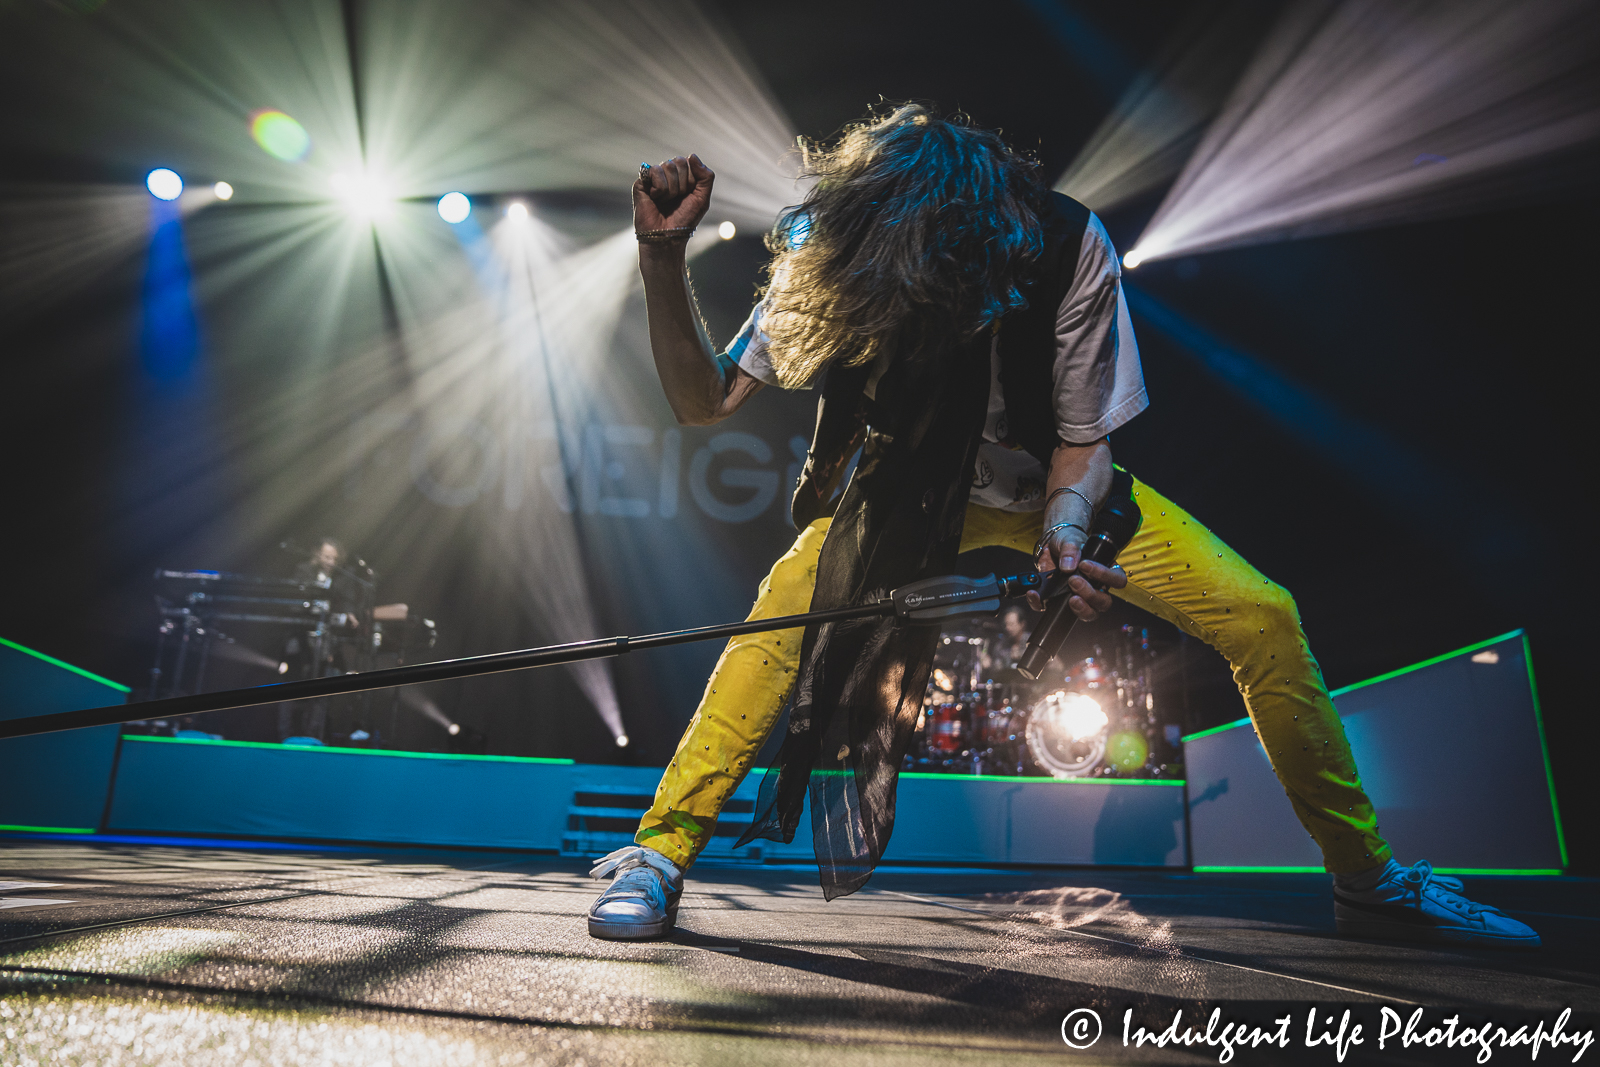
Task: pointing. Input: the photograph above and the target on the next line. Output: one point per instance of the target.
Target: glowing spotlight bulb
(1133, 258)
(454, 207)
(454, 728)
(223, 191)
(727, 231)
(164, 184)
(517, 212)
(622, 740)
(1080, 715)
(362, 196)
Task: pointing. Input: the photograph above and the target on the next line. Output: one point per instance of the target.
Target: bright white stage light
(517, 212)
(454, 207)
(727, 231)
(223, 191)
(622, 740)
(454, 728)
(164, 184)
(1079, 715)
(1132, 258)
(362, 195)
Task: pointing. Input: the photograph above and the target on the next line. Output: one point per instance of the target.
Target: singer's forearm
(694, 383)
(1086, 469)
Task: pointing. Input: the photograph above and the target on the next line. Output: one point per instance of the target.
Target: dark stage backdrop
(1463, 342)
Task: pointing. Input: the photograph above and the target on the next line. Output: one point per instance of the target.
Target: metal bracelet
(1038, 546)
(1074, 492)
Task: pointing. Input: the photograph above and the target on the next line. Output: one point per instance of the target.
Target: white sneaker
(1414, 904)
(642, 900)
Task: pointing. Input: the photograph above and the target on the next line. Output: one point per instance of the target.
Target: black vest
(1027, 363)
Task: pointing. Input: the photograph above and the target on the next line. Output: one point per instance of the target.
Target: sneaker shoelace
(1416, 879)
(640, 873)
(641, 882)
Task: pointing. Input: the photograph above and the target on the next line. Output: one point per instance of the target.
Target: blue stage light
(164, 184)
(454, 207)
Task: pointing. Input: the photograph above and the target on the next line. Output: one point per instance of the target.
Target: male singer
(970, 336)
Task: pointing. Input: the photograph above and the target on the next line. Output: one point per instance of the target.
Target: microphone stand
(926, 600)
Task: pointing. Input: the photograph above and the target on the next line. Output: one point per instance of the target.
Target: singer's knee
(1280, 610)
(1273, 632)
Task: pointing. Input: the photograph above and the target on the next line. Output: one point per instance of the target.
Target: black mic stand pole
(927, 600)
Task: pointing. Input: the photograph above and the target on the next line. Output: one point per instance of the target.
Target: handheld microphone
(1114, 526)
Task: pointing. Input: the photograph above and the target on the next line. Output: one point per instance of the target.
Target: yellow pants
(1177, 569)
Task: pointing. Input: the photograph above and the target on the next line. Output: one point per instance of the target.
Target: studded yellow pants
(1177, 569)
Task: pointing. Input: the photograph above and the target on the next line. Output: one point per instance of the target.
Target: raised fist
(675, 193)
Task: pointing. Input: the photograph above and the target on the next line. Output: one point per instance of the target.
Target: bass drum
(945, 733)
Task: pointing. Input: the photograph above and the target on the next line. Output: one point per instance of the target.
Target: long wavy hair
(914, 236)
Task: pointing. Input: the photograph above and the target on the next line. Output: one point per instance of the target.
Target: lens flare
(1126, 750)
(164, 184)
(454, 207)
(279, 135)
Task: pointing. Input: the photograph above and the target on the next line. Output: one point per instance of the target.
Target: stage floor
(169, 955)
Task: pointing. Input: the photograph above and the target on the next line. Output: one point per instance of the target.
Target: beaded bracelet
(1038, 546)
(663, 236)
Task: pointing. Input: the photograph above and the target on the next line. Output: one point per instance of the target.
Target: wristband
(663, 236)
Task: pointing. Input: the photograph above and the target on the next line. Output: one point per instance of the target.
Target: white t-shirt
(1098, 383)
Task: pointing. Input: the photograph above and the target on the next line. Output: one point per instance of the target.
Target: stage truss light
(454, 207)
(517, 211)
(164, 184)
(222, 191)
(362, 195)
(1132, 258)
(622, 740)
(727, 231)
(453, 729)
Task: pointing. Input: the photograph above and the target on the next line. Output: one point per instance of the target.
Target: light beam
(1367, 112)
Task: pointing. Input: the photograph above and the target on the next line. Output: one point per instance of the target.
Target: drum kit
(1091, 717)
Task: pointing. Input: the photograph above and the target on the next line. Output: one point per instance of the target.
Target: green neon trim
(64, 665)
(1513, 872)
(1215, 730)
(1544, 749)
(1531, 872)
(344, 751)
(1395, 674)
(1426, 663)
(46, 830)
(1038, 778)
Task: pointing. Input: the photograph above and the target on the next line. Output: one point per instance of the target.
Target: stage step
(599, 822)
